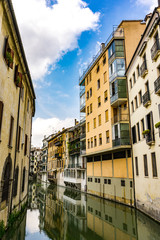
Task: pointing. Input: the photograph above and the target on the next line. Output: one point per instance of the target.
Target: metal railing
(76, 137)
(157, 85)
(117, 32)
(146, 98)
(82, 91)
(74, 151)
(118, 95)
(83, 135)
(143, 68)
(149, 138)
(82, 105)
(155, 48)
(120, 142)
(120, 118)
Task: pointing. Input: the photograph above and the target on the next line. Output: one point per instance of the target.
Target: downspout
(15, 157)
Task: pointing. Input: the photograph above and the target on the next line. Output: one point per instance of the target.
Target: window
(109, 181)
(28, 106)
(105, 96)
(134, 136)
(26, 144)
(90, 92)
(138, 131)
(134, 77)
(22, 92)
(107, 136)
(88, 143)
(23, 180)
(136, 163)
(99, 120)
(98, 68)
(19, 136)
(123, 183)
(92, 142)
(6, 179)
(138, 71)
(95, 141)
(100, 139)
(87, 80)
(136, 102)
(94, 122)
(90, 77)
(106, 116)
(145, 165)
(88, 127)
(87, 110)
(99, 180)
(132, 105)
(140, 97)
(95, 182)
(11, 131)
(1, 116)
(142, 126)
(105, 77)
(105, 181)
(91, 108)
(130, 82)
(104, 60)
(154, 165)
(98, 84)
(99, 101)
(15, 182)
(87, 95)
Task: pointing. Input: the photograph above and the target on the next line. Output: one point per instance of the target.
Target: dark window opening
(123, 183)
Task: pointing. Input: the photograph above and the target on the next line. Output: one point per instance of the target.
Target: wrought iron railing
(146, 98)
(143, 68)
(157, 85)
(155, 48)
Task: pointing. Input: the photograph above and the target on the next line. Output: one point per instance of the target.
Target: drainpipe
(15, 157)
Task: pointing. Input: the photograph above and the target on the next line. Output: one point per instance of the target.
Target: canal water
(59, 213)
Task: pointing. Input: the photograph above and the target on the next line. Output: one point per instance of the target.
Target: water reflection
(60, 213)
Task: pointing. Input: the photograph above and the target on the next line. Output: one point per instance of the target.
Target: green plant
(9, 58)
(2, 228)
(157, 125)
(146, 131)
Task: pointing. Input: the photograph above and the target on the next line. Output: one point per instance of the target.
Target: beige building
(103, 99)
(143, 76)
(17, 107)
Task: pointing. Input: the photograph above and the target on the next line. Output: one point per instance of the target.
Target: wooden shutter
(1, 115)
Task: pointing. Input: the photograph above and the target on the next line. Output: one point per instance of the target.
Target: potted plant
(9, 58)
(157, 125)
(145, 131)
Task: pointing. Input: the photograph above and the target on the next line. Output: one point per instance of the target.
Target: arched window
(23, 181)
(15, 183)
(6, 179)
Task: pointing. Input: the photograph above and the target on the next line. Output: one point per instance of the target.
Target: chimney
(102, 46)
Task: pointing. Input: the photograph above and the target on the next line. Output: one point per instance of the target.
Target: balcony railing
(146, 99)
(83, 135)
(120, 118)
(120, 142)
(82, 91)
(150, 140)
(143, 69)
(118, 95)
(82, 106)
(117, 33)
(76, 137)
(155, 50)
(157, 85)
(75, 166)
(74, 151)
(59, 142)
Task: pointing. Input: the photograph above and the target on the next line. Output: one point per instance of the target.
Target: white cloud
(46, 127)
(49, 32)
(32, 221)
(150, 4)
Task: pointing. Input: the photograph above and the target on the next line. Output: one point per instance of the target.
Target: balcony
(82, 107)
(120, 118)
(74, 151)
(118, 98)
(59, 142)
(75, 166)
(82, 135)
(157, 86)
(146, 99)
(74, 138)
(58, 154)
(150, 140)
(143, 69)
(82, 91)
(155, 50)
(121, 142)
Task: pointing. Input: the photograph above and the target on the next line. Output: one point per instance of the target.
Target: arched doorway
(6, 176)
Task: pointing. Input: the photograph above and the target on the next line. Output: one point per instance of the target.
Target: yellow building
(17, 107)
(143, 75)
(57, 157)
(103, 99)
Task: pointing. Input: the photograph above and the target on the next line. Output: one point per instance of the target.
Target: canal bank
(61, 213)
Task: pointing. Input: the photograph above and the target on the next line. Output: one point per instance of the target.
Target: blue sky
(57, 63)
